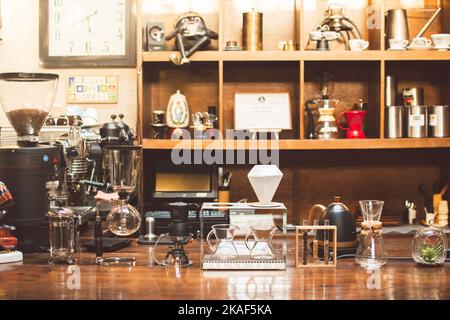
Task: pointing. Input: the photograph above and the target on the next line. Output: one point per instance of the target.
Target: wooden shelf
(341, 144)
(416, 55)
(304, 55)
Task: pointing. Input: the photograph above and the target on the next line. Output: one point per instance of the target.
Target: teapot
(340, 216)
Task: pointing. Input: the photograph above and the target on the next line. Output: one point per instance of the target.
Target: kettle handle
(339, 122)
(312, 212)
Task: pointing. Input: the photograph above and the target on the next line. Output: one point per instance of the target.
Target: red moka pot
(355, 121)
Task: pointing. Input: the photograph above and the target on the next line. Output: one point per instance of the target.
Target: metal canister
(252, 31)
(416, 121)
(393, 122)
(391, 91)
(438, 121)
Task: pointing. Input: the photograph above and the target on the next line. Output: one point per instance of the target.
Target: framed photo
(92, 89)
(87, 33)
(262, 111)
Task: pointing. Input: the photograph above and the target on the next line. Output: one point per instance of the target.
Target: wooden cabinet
(314, 170)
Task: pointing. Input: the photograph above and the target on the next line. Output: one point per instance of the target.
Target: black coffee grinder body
(26, 170)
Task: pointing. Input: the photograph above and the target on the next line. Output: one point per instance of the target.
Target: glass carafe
(224, 247)
(371, 252)
(62, 235)
(262, 247)
(326, 127)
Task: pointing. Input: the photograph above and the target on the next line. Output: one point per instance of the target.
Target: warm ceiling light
(350, 5)
(412, 4)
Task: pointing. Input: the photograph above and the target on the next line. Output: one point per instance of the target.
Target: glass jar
(430, 246)
(62, 235)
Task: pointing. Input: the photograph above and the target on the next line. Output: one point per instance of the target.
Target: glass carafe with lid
(371, 252)
(62, 235)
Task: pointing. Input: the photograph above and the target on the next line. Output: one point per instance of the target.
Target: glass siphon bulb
(123, 219)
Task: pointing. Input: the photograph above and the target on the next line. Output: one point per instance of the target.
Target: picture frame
(262, 111)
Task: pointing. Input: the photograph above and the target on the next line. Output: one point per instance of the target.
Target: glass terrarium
(254, 237)
(430, 246)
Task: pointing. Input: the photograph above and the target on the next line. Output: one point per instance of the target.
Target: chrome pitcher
(396, 25)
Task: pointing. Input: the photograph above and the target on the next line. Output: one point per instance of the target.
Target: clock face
(86, 28)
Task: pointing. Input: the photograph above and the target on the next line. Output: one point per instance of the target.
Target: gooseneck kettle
(340, 216)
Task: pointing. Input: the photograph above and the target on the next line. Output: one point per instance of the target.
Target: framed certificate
(262, 111)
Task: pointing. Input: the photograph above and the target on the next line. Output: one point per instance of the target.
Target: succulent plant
(431, 253)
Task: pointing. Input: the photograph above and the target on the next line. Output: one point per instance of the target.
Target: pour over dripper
(27, 99)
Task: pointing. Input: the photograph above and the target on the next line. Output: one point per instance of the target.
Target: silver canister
(391, 91)
(416, 121)
(438, 121)
(393, 122)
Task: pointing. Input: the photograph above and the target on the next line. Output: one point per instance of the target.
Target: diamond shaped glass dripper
(265, 180)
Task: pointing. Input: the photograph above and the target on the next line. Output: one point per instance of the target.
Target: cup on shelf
(316, 35)
(421, 42)
(358, 44)
(331, 35)
(441, 40)
(398, 44)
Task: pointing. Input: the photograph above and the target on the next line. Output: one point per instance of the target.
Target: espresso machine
(26, 167)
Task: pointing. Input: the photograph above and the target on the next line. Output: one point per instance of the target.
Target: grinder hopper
(27, 99)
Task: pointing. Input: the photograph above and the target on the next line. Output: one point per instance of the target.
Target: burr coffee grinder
(27, 166)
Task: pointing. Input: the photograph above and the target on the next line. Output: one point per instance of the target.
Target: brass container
(252, 29)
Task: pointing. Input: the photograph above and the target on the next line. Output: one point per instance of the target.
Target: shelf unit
(215, 75)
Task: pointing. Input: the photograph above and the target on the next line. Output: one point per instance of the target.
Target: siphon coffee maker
(371, 253)
(26, 167)
(122, 165)
(320, 112)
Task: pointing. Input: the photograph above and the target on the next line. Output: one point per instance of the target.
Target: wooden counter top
(34, 279)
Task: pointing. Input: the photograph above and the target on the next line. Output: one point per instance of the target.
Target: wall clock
(88, 33)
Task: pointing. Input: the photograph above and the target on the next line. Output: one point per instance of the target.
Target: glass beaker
(62, 236)
(262, 247)
(371, 253)
(224, 248)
